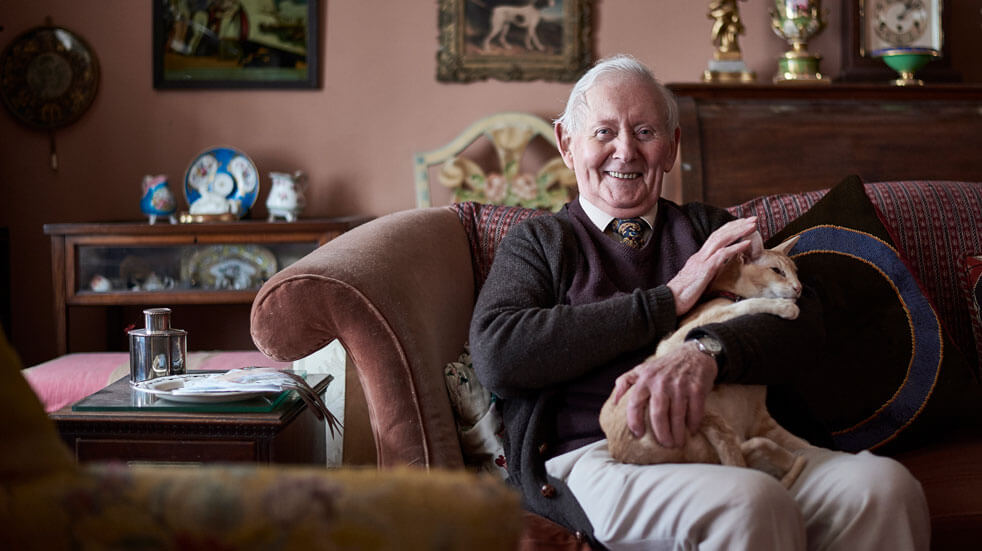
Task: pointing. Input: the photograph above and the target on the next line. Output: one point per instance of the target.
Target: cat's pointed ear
(786, 246)
(756, 246)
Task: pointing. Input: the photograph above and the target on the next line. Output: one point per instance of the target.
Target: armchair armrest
(398, 293)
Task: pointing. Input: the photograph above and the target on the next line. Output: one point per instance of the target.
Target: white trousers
(841, 501)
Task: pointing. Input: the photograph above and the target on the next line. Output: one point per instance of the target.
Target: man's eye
(604, 133)
(646, 133)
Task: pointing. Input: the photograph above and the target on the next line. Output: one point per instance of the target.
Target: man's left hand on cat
(672, 389)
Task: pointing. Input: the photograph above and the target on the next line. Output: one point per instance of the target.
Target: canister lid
(157, 319)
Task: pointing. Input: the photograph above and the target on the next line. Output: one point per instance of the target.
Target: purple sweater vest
(606, 268)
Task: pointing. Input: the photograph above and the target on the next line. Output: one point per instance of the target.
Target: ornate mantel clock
(870, 25)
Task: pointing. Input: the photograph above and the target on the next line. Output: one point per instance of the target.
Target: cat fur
(736, 429)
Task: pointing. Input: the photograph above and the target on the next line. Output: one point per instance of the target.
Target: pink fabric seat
(69, 378)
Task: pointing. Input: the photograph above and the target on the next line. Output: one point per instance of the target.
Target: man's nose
(625, 146)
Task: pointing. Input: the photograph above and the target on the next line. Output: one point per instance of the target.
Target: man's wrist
(709, 346)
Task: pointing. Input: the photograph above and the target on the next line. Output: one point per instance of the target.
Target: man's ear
(670, 159)
(562, 142)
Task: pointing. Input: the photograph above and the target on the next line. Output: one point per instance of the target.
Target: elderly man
(572, 308)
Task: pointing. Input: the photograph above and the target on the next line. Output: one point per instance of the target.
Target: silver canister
(157, 350)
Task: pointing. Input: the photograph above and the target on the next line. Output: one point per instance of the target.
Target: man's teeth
(624, 175)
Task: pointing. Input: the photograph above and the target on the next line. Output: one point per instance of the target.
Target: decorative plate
(221, 180)
(233, 267)
(165, 387)
(48, 77)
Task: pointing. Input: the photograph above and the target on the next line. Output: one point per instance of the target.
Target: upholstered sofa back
(936, 225)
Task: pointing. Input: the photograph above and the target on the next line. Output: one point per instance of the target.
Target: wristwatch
(709, 346)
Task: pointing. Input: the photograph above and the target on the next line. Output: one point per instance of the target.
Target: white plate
(164, 387)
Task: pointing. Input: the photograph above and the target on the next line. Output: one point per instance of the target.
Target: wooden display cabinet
(110, 264)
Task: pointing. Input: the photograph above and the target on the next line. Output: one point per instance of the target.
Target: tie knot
(630, 231)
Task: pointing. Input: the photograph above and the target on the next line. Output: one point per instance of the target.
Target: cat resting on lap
(736, 428)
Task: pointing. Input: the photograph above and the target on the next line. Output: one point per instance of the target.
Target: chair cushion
(486, 226)
(69, 378)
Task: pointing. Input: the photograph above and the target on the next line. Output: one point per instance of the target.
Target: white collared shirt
(602, 220)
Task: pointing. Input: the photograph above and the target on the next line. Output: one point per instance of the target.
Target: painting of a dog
(511, 26)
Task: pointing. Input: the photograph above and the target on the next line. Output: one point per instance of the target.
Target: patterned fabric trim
(972, 291)
(486, 225)
(773, 212)
(936, 225)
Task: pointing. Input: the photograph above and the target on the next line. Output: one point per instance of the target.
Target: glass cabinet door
(148, 267)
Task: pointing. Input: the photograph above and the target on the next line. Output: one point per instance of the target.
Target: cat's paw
(787, 309)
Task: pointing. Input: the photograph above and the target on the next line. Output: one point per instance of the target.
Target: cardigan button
(548, 490)
(580, 538)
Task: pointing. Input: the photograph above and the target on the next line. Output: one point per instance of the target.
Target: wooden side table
(290, 433)
(115, 253)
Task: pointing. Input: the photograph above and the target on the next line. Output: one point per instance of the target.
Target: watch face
(901, 23)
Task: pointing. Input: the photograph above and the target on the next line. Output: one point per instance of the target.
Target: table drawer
(166, 451)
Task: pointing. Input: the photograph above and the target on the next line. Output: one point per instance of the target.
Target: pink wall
(355, 136)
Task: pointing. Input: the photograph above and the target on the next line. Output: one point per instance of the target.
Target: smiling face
(620, 148)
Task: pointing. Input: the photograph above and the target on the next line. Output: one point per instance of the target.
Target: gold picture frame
(544, 39)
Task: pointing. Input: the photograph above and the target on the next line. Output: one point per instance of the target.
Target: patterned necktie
(629, 231)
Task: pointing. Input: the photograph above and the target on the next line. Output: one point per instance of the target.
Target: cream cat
(736, 428)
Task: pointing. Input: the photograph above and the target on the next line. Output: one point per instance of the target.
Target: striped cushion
(486, 225)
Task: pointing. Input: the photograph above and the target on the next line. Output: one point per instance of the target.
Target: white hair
(620, 65)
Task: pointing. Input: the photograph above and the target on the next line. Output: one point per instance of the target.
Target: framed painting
(235, 43)
(514, 40)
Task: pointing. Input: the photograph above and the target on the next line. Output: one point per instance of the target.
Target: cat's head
(767, 273)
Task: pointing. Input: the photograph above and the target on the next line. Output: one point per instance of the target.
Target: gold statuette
(727, 64)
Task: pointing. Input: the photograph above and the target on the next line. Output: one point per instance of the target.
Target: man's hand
(673, 388)
(723, 244)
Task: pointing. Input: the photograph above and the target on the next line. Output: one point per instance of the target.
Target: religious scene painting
(235, 43)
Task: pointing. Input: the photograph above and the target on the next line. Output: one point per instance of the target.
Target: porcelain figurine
(286, 197)
(158, 200)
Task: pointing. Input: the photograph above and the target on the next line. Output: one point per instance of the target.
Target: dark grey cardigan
(532, 345)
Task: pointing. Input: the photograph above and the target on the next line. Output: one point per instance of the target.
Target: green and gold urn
(797, 21)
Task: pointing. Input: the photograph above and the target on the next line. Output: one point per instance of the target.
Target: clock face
(901, 23)
(48, 77)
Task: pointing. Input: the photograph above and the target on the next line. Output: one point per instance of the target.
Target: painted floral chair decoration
(550, 187)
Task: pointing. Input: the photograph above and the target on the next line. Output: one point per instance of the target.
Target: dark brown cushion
(890, 378)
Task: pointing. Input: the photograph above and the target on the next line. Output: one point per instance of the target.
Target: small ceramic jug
(158, 199)
(286, 197)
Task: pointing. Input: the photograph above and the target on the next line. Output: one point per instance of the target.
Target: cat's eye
(778, 271)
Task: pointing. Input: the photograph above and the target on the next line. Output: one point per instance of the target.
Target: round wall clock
(48, 77)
